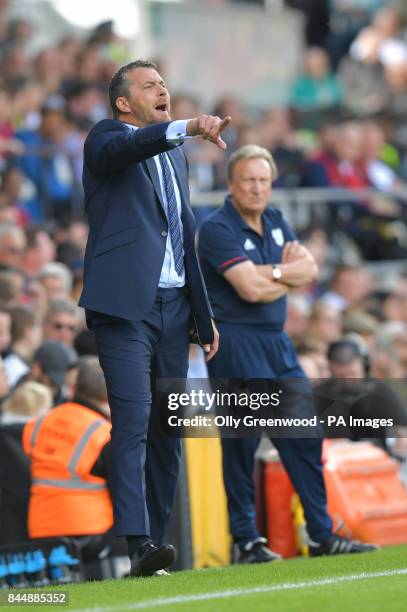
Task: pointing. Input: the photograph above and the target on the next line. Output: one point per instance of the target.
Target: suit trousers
(144, 460)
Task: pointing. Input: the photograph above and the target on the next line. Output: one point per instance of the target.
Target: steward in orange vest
(69, 492)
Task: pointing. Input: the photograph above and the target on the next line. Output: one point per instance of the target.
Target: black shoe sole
(349, 552)
(243, 562)
(161, 558)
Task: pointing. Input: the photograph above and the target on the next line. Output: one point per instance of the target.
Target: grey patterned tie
(172, 214)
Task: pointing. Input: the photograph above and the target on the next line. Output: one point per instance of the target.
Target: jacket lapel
(152, 170)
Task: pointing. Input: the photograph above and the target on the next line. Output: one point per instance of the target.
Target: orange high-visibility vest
(66, 499)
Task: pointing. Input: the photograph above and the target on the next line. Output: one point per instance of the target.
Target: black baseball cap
(56, 359)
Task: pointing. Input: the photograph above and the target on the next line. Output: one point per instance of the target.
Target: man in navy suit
(143, 289)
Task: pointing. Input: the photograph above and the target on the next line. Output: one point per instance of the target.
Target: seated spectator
(317, 87)
(354, 392)
(61, 322)
(12, 246)
(278, 135)
(19, 32)
(50, 173)
(46, 67)
(386, 363)
(368, 219)
(387, 303)
(341, 167)
(380, 175)
(11, 200)
(28, 400)
(55, 366)
(70, 254)
(349, 286)
(394, 333)
(85, 103)
(325, 323)
(315, 351)
(12, 284)
(56, 279)
(75, 233)
(82, 507)
(28, 99)
(40, 250)
(26, 337)
(361, 323)
(298, 315)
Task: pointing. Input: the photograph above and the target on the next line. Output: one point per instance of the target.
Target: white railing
(301, 205)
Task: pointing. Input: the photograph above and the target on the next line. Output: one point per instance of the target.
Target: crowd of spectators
(344, 126)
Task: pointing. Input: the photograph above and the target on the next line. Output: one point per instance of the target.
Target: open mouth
(161, 107)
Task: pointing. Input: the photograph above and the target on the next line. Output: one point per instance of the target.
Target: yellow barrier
(209, 518)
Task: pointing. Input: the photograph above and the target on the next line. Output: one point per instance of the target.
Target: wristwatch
(276, 273)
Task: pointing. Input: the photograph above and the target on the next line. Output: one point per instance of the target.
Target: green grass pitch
(373, 582)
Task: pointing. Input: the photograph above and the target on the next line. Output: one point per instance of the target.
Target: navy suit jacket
(128, 226)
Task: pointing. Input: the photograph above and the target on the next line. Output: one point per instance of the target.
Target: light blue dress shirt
(176, 134)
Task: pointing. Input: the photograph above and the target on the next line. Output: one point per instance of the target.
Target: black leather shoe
(149, 559)
(257, 552)
(337, 545)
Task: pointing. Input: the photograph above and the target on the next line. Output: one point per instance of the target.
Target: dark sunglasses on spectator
(61, 326)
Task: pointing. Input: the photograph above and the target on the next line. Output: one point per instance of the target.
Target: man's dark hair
(119, 85)
(22, 318)
(84, 343)
(343, 351)
(90, 384)
(31, 235)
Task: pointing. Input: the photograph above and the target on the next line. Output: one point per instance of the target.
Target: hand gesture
(209, 128)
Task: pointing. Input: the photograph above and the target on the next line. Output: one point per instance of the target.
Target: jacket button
(164, 233)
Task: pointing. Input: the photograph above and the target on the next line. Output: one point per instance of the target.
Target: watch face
(276, 273)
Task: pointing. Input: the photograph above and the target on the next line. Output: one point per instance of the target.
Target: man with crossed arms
(250, 259)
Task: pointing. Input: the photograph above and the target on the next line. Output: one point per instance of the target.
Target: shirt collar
(238, 220)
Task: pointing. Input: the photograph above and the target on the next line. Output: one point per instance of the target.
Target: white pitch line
(285, 586)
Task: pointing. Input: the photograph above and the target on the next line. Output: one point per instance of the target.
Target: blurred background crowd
(339, 141)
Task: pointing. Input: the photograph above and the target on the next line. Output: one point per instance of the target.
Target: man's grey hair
(57, 306)
(252, 151)
(59, 270)
(90, 384)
